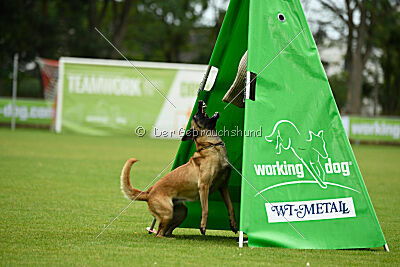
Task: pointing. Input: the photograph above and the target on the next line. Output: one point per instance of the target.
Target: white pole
(14, 91)
(386, 247)
(248, 81)
(240, 239)
(151, 228)
(204, 81)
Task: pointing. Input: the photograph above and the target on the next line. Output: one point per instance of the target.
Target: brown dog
(207, 170)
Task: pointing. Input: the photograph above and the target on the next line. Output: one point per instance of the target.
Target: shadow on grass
(378, 249)
(124, 237)
(207, 238)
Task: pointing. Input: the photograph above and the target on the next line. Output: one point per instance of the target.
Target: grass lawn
(59, 191)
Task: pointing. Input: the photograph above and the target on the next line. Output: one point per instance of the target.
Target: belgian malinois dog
(208, 170)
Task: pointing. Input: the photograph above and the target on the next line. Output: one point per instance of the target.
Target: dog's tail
(126, 186)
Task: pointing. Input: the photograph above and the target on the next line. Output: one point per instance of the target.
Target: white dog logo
(308, 151)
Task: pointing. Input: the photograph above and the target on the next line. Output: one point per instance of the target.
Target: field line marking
(138, 70)
(111, 222)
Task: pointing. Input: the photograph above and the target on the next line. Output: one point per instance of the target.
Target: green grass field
(59, 191)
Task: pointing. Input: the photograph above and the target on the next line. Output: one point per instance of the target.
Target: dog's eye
(281, 17)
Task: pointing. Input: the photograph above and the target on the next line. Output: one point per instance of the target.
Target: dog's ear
(201, 106)
(188, 135)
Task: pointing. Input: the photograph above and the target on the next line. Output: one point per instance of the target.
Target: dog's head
(201, 123)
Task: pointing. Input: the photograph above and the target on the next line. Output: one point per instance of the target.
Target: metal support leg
(151, 228)
(240, 239)
(204, 81)
(386, 247)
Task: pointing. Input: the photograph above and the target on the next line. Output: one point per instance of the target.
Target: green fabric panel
(233, 35)
(374, 129)
(28, 111)
(97, 99)
(229, 48)
(295, 107)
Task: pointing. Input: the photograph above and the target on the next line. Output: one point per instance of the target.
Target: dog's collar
(212, 145)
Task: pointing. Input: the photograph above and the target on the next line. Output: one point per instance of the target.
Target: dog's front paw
(203, 230)
(233, 227)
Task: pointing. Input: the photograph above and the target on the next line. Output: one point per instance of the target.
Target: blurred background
(358, 40)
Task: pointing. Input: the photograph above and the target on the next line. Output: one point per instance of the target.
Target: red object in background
(49, 73)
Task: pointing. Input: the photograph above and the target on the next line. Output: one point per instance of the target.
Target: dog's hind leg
(162, 209)
(180, 212)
